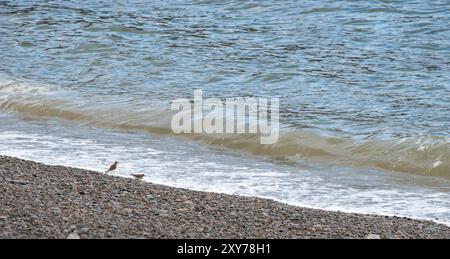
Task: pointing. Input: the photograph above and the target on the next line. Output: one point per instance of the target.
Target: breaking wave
(421, 155)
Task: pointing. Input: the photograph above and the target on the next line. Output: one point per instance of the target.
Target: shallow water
(364, 91)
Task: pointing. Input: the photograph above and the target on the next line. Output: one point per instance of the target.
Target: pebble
(373, 236)
(73, 235)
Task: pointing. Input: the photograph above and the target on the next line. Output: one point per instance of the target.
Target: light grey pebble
(74, 236)
(373, 236)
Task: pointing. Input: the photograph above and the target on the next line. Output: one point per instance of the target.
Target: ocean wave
(421, 155)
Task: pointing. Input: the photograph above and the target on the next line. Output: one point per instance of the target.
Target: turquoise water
(363, 86)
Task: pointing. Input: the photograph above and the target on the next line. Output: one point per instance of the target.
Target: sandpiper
(113, 167)
(138, 176)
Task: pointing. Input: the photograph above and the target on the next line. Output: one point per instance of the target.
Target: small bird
(138, 176)
(113, 167)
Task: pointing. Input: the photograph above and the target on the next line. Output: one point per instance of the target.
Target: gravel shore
(40, 201)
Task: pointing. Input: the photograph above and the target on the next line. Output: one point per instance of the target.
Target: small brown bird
(113, 167)
(138, 176)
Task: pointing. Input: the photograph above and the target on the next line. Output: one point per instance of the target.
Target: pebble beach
(55, 202)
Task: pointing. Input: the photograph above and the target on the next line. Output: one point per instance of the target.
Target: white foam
(437, 163)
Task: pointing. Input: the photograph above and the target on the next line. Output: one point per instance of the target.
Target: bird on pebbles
(138, 176)
(113, 167)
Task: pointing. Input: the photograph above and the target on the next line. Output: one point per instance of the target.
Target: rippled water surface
(362, 68)
(364, 87)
